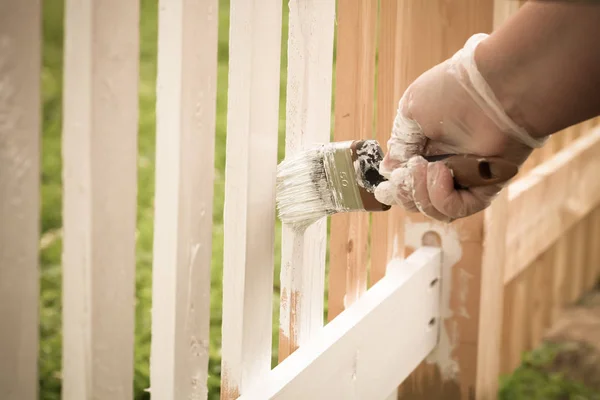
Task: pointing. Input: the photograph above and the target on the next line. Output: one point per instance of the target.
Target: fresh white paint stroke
(452, 253)
(308, 120)
(373, 345)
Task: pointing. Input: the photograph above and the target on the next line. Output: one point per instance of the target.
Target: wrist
(507, 78)
(542, 64)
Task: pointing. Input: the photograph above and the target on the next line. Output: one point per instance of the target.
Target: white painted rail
(373, 345)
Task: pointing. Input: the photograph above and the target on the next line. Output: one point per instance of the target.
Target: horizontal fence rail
(394, 324)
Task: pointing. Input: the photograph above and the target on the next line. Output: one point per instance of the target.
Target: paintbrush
(342, 177)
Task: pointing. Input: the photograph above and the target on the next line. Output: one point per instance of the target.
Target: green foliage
(50, 302)
(534, 380)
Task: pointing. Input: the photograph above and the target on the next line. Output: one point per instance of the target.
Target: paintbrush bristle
(328, 179)
(303, 191)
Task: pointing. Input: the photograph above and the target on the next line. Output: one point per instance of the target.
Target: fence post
(99, 207)
(20, 123)
(185, 140)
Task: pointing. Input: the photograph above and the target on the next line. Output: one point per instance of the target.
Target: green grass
(534, 379)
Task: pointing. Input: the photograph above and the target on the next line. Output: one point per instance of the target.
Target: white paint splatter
(402, 178)
(194, 248)
(400, 185)
(407, 138)
(368, 158)
(385, 193)
(355, 366)
(463, 291)
(451, 254)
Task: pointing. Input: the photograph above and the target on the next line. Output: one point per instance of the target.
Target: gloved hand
(448, 109)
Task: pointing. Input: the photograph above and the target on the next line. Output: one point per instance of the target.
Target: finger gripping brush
(342, 177)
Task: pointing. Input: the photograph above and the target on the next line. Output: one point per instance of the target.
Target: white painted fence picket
(20, 140)
(249, 213)
(185, 140)
(100, 126)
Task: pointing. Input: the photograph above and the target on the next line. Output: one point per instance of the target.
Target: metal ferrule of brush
(328, 179)
(352, 169)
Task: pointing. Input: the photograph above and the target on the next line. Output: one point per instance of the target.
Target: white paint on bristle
(451, 254)
(303, 193)
(323, 180)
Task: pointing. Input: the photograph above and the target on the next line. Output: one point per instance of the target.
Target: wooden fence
(415, 309)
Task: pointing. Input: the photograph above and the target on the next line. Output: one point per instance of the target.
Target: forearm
(544, 64)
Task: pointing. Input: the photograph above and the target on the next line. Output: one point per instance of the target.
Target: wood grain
(308, 121)
(100, 126)
(492, 298)
(354, 96)
(535, 299)
(386, 228)
(250, 171)
(20, 123)
(430, 32)
(540, 292)
(577, 260)
(560, 274)
(489, 340)
(185, 140)
(591, 234)
(515, 329)
(593, 248)
(568, 187)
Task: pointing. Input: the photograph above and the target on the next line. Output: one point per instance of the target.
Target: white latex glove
(448, 109)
